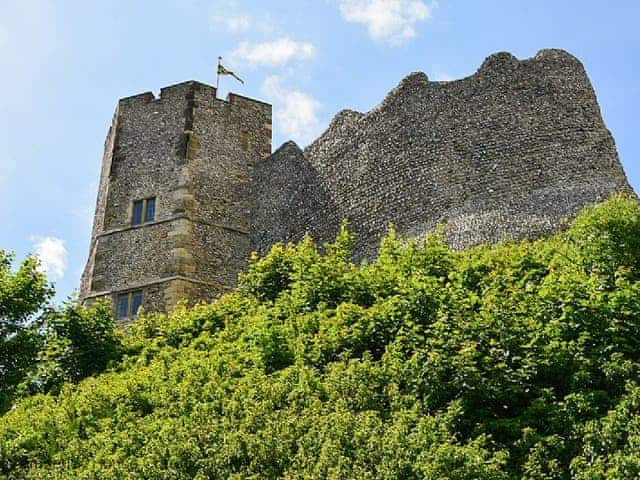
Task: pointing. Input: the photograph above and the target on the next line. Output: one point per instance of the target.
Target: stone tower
(172, 217)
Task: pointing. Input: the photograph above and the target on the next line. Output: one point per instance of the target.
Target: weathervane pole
(218, 75)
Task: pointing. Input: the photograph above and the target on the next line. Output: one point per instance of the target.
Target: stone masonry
(510, 152)
(194, 153)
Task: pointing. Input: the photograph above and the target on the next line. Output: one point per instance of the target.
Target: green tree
(513, 361)
(76, 342)
(23, 294)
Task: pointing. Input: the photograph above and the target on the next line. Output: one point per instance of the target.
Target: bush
(513, 361)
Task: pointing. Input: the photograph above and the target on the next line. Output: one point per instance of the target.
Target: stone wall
(230, 137)
(512, 151)
(87, 277)
(287, 197)
(508, 152)
(194, 153)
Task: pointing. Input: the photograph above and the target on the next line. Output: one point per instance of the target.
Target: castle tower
(172, 218)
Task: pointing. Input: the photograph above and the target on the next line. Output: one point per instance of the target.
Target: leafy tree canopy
(519, 360)
(42, 346)
(23, 293)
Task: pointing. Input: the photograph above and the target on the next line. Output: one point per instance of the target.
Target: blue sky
(64, 64)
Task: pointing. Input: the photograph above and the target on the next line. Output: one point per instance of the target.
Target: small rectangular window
(136, 216)
(150, 210)
(136, 302)
(143, 211)
(123, 305)
(129, 304)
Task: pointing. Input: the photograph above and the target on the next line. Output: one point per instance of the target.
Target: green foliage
(505, 362)
(42, 347)
(23, 293)
(77, 342)
(611, 447)
(607, 237)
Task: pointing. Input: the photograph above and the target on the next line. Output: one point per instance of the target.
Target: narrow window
(136, 302)
(136, 216)
(129, 303)
(150, 210)
(123, 305)
(143, 211)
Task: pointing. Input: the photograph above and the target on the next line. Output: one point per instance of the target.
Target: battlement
(185, 100)
(179, 90)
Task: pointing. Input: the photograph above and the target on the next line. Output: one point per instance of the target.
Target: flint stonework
(513, 151)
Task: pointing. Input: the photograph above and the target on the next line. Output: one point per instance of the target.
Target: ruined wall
(505, 153)
(288, 196)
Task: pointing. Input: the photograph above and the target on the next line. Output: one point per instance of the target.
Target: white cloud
(273, 53)
(392, 21)
(295, 112)
(233, 23)
(442, 77)
(52, 254)
(229, 17)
